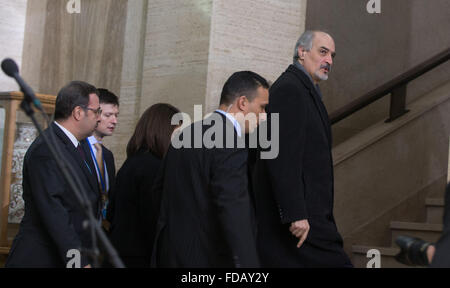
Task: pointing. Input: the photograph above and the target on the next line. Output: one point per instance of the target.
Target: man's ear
(242, 103)
(301, 53)
(77, 113)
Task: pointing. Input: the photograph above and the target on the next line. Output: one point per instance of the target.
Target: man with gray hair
(294, 192)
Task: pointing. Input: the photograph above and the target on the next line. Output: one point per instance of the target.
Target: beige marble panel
(60, 47)
(256, 35)
(12, 31)
(176, 53)
(150, 51)
(34, 42)
(130, 85)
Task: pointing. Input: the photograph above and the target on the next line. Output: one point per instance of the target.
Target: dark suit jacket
(53, 219)
(206, 219)
(298, 184)
(110, 167)
(134, 209)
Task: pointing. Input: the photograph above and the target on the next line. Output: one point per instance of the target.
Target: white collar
(233, 120)
(72, 138)
(92, 140)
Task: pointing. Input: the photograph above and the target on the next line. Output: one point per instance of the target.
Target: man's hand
(430, 253)
(300, 230)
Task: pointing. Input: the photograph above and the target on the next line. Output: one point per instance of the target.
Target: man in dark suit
(294, 191)
(206, 219)
(53, 221)
(102, 157)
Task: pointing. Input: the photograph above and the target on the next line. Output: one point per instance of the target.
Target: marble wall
(88, 46)
(181, 52)
(12, 29)
(190, 51)
(131, 78)
(176, 53)
(150, 51)
(256, 35)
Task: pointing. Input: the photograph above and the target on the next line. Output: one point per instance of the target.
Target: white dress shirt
(233, 120)
(72, 138)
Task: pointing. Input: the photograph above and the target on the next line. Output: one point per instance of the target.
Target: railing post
(398, 103)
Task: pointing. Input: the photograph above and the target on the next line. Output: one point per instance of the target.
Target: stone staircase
(428, 231)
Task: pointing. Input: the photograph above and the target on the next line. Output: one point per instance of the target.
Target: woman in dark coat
(133, 208)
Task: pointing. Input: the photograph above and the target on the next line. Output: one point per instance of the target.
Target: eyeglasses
(97, 111)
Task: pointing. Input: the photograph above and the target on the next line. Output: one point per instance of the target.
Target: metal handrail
(396, 87)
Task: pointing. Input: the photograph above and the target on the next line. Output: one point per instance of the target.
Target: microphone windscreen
(9, 67)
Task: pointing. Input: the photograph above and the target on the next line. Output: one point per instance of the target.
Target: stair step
(439, 202)
(4, 250)
(426, 231)
(387, 260)
(435, 210)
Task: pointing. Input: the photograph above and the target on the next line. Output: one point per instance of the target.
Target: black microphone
(10, 68)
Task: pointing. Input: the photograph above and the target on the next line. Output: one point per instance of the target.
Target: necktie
(104, 198)
(99, 158)
(80, 151)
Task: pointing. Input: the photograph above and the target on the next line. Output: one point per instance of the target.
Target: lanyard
(87, 165)
(83, 156)
(102, 182)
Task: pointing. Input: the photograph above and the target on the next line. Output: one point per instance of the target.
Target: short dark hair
(74, 94)
(242, 83)
(153, 130)
(107, 97)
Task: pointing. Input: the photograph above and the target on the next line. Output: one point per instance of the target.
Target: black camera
(413, 251)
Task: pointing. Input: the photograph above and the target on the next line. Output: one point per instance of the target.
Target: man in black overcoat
(294, 192)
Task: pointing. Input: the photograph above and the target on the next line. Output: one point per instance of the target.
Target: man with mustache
(294, 192)
(102, 157)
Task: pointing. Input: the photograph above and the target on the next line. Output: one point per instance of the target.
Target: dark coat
(206, 218)
(110, 167)
(298, 184)
(53, 219)
(134, 209)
